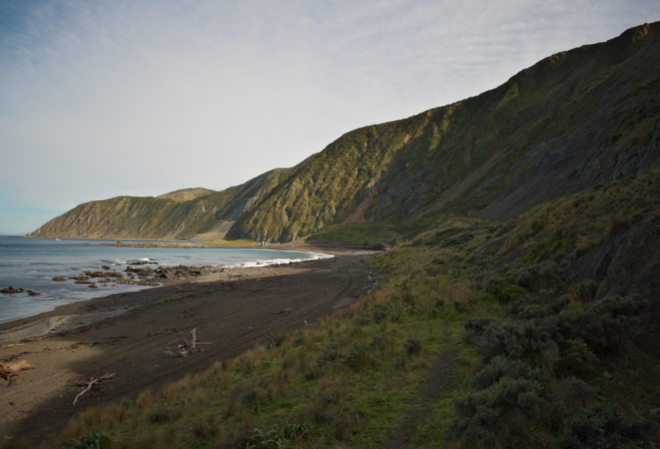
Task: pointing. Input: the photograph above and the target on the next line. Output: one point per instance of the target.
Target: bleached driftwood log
(189, 346)
(91, 382)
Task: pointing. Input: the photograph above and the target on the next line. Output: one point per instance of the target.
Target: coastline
(126, 333)
(105, 285)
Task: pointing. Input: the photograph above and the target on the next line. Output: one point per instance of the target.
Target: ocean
(31, 264)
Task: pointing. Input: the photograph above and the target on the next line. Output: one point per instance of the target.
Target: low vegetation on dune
(475, 337)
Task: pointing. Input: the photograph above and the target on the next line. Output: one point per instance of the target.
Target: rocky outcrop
(182, 272)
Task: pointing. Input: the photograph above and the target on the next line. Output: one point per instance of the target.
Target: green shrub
(534, 277)
(586, 290)
(519, 338)
(160, 416)
(329, 353)
(274, 342)
(362, 321)
(379, 315)
(413, 346)
(358, 357)
(506, 293)
(618, 305)
(252, 398)
(560, 304)
(531, 311)
(95, 439)
(606, 325)
(477, 324)
(601, 426)
(481, 412)
(564, 399)
(500, 367)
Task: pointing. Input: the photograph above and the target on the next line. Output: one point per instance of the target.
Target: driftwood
(189, 346)
(6, 371)
(91, 382)
(282, 311)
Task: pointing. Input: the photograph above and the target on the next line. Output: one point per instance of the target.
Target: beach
(127, 334)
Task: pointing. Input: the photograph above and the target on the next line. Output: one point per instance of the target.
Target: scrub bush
(506, 293)
(531, 311)
(534, 277)
(601, 426)
(477, 324)
(413, 346)
(519, 339)
(606, 325)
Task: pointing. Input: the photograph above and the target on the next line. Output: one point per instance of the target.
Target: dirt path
(227, 309)
(441, 379)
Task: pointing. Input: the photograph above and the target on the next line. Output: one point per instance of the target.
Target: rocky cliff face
(162, 217)
(569, 122)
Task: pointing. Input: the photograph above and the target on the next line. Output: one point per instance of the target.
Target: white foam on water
(281, 261)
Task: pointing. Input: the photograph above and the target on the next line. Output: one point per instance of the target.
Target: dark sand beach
(127, 334)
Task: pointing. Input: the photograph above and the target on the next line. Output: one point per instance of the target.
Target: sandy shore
(127, 333)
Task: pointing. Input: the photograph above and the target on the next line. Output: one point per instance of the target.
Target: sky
(106, 98)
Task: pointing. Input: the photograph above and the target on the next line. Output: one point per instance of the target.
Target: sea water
(32, 264)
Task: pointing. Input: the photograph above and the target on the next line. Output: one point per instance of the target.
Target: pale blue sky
(107, 98)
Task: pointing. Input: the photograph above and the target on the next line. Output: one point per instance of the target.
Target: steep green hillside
(571, 121)
(169, 216)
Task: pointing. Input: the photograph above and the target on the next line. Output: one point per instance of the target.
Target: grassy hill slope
(169, 216)
(571, 121)
(186, 194)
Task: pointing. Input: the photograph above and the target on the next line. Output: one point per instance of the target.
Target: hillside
(186, 194)
(169, 216)
(571, 121)
(541, 332)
